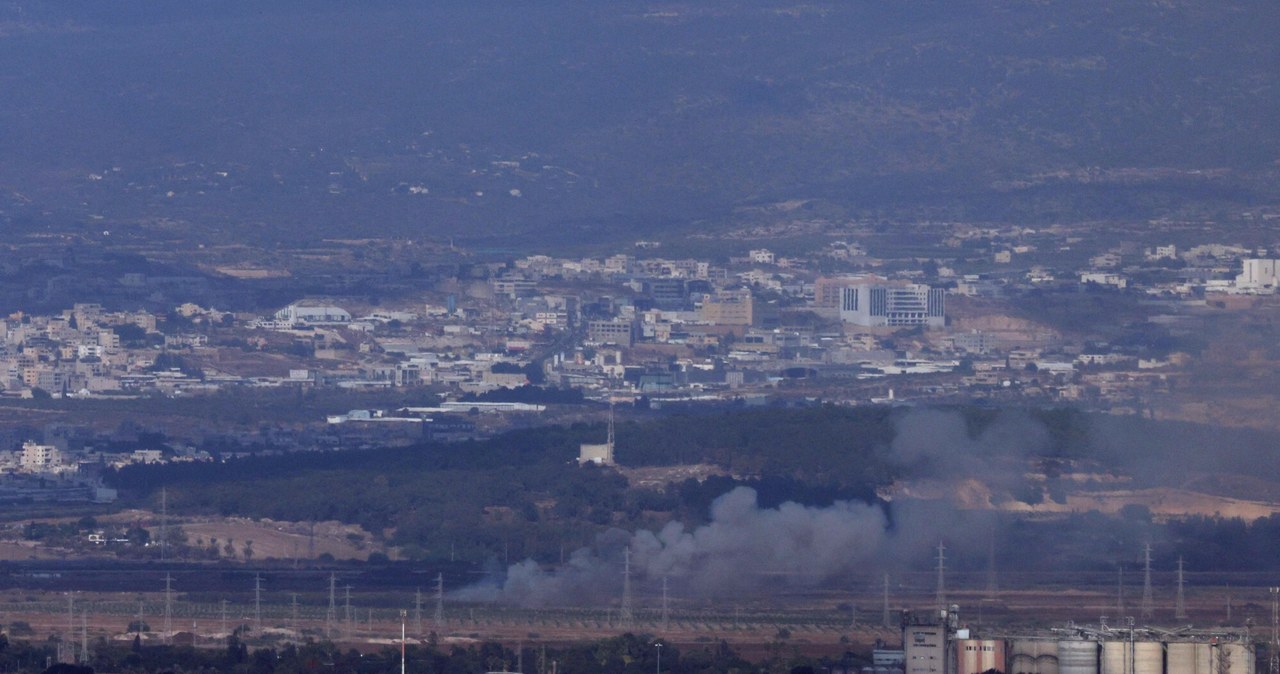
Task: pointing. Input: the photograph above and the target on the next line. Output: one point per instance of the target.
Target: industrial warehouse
(936, 642)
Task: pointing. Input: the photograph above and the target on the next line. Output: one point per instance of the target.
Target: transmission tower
(439, 616)
(1146, 583)
(257, 603)
(332, 614)
(887, 619)
(1180, 604)
(224, 617)
(293, 615)
(84, 636)
(666, 612)
(625, 615)
(942, 583)
(71, 629)
(348, 616)
(168, 606)
(417, 611)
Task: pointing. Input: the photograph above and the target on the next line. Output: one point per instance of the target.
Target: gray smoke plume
(800, 545)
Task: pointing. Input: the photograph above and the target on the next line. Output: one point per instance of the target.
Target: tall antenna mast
(71, 628)
(402, 643)
(887, 619)
(1180, 604)
(624, 614)
(1146, 583)
(942, 584)
(439, 616)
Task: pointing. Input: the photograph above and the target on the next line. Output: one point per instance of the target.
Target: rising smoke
(743, 542)
(744, 547)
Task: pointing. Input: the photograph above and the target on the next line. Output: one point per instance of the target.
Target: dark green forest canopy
(436, 500)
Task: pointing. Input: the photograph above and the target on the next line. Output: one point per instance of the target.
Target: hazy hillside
(550, 119)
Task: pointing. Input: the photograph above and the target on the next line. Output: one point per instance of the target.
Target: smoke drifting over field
(804, 545)
(793, 544)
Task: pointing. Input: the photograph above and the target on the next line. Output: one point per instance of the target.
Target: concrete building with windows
(729, 307)
(1259, 276)
(893, 305)
(618, 331)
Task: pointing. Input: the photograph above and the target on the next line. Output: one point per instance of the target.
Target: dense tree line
(522, 495)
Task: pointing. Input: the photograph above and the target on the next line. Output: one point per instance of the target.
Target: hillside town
(667, 331)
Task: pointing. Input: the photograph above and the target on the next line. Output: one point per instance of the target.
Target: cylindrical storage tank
(1234, 658)
(1187, 657)
(1117, 657)
(1148, 657)
(975, 656)
(1077, 657)
(1033, 656)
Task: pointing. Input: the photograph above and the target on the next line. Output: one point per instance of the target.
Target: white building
(40, 458)
(300, 315)
(902, 305)
(1259, 276)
